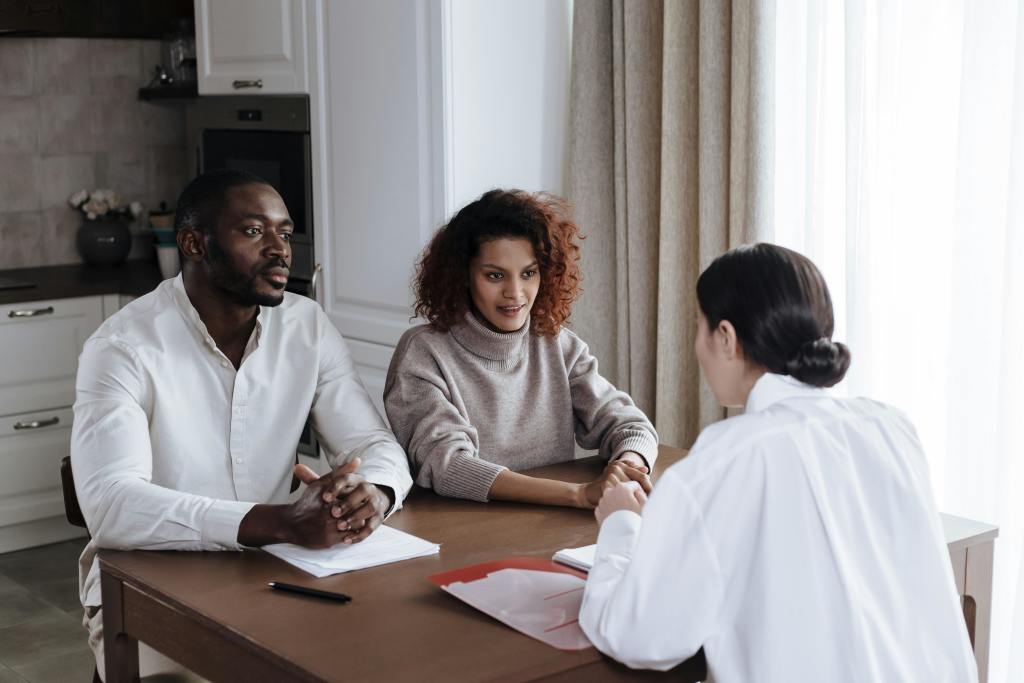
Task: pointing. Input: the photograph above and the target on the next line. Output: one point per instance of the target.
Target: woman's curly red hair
(442, 273)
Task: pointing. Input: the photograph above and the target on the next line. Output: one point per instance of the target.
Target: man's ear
(192, 245)
(725, 335)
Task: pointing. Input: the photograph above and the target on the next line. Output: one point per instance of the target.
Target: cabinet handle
(36, 424)
(238, 85)
(313, 281)
(30, 312)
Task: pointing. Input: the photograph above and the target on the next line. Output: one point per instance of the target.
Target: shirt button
(224, 363)
(238, 461)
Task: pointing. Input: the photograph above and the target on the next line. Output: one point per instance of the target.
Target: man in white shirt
(191, 401)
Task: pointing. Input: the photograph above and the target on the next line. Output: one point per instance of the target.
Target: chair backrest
(71, 508)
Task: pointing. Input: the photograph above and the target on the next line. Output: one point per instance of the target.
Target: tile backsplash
(70, 119)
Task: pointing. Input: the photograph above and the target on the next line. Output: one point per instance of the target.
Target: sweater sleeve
(605, 417)
(443, 447)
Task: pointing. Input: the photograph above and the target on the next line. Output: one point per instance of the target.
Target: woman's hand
(633, 459)
(625, 496)
(615, 472)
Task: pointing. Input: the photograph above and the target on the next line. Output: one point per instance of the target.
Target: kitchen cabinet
(377, 170)
(91, 18)
(246, 47)
(41, 341)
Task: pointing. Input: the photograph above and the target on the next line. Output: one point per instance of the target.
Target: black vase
(104, 241)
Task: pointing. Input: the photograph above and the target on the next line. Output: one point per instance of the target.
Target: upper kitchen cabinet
(91, 18)
(251, 46)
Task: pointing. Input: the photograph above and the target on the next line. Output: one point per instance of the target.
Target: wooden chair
(71, 509)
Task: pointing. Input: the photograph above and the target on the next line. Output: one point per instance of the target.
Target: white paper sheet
(383, 546)
(578, 558)
(543, 605)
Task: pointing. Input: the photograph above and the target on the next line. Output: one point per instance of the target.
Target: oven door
(283, 160)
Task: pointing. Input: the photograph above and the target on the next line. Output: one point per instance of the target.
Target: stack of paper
(578, 558)
(383, 546)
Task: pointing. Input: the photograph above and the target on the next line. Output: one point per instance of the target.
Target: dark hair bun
(820, 363)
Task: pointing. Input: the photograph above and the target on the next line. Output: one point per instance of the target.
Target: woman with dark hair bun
(796, 542)
(494, 383)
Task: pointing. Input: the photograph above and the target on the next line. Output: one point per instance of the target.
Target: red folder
(479, 571)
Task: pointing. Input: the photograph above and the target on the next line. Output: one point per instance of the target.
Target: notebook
(383, 546)
(578, 558)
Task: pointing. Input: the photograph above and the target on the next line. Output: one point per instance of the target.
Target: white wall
(509, 95)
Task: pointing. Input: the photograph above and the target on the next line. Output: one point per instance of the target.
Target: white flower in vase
(78, 198)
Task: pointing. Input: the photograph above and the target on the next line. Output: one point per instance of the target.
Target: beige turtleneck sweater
(470, 402)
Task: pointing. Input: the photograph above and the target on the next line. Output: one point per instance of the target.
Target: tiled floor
(41, 634)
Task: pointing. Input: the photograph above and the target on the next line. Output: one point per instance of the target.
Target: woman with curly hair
(494, 383)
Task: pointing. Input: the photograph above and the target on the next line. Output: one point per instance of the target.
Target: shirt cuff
(642, 444)
(468, 477)
(221, 522)
(618, 535)
(379, 480)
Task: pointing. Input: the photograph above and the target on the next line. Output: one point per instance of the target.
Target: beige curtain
(670, 165)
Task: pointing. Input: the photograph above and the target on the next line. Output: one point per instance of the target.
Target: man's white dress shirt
(796, 542)
(171, 446)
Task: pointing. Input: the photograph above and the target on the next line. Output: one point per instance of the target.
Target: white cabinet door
(41, 341)
(377, 130)
(251, 46)
(372, 361)
(31, 447)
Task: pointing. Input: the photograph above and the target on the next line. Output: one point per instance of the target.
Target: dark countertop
(132, 278)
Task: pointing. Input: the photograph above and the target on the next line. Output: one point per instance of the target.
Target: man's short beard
(235, 286)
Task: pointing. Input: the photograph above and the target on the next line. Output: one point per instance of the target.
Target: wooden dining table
(214, 613)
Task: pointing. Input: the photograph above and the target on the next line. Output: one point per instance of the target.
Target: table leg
(979, 587)
(120, 651)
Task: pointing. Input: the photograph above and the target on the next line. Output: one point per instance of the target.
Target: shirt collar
(184, 304)
(772, 388)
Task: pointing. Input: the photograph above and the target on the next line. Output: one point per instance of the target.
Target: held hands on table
(627, 495)
(619, 472)
(339, 507)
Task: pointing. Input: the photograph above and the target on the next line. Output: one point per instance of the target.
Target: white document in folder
(577, 558)
(544, 605)
(383, 546)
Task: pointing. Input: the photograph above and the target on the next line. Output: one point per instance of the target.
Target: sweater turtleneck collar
(481, 341)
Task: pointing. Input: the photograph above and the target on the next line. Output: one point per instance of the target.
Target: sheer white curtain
(900, 171)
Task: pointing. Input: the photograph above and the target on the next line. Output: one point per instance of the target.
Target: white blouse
(796, 542)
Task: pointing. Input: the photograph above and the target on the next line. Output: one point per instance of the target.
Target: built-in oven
(267, 135)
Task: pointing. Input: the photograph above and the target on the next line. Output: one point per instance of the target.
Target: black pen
(302, 590)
